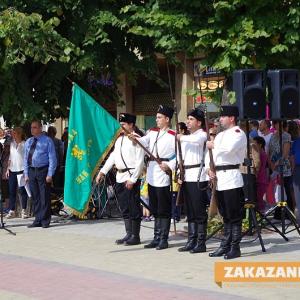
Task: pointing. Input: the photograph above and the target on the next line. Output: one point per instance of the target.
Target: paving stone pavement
(79, 260)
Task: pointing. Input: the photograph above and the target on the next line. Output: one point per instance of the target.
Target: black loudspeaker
(249, 86)
(284, 94)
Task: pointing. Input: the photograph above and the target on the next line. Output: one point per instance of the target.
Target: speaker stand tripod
(258, 225)
(284, 212)
(250, 194)
(253, 224)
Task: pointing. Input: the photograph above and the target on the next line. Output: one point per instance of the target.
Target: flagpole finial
(70, 80)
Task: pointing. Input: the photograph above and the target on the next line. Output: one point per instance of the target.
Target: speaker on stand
(284, 94)
(249, 86)
(250, 91)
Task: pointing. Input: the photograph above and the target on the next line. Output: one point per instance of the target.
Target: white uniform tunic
(192, 153)
(161, 143)
(133, 156)
(229, 149)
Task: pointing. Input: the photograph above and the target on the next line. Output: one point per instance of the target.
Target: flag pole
(71, 81)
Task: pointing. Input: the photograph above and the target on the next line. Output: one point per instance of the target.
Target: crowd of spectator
(13, 183)
(266, 155)
(269, 158)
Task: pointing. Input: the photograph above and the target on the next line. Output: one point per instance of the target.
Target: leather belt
(124, 170)
(161, 159)
(16, 172)
(39, 168)
(227, 167)
(191, 166)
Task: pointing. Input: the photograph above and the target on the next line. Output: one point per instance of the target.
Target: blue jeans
(13, 187)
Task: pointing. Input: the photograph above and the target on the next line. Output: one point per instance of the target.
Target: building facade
(143, 98)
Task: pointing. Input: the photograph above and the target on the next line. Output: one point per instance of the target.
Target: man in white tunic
(160, 142)
(195, 182)
(229, 148)
(128, 157)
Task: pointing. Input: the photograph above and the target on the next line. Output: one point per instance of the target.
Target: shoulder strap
(202, 163)
(123, 157)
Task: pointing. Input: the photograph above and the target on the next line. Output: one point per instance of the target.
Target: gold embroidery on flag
(77, 152)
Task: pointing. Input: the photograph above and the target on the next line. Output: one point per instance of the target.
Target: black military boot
(225, 244)
(135, 237)
(235, 244)
(128, 229)
(200, 247)
(192, 238)
(156, 238)
(164, 235)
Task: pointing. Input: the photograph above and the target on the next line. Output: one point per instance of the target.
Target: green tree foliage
(42, 42)
(231, 34)
(247, 34)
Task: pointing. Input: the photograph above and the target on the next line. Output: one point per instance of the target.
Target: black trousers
(129, 200)
(160, 201)
(231, 205)
(40, 190)
(195, 200)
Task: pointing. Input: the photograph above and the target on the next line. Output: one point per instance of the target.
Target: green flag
(92, 133)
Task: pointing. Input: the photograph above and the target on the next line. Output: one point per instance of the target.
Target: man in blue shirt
(39, 166)
(253, 128)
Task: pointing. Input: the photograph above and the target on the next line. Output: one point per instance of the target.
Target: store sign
(210, 78)
(205, 70)
(210, 85)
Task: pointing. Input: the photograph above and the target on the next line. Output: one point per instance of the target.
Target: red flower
(200, 100)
